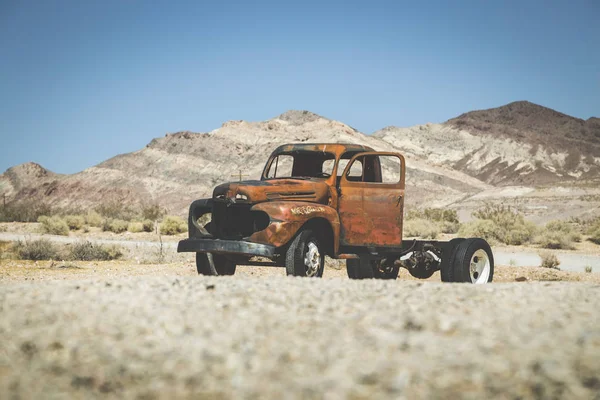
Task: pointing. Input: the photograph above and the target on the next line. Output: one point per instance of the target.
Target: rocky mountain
(520, 143)
(501, 154)
(179, 167)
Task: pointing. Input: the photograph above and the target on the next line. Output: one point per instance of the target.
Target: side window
(281, 166)
(391, 169)
(355, 173)
(376, 169)
(356, 169)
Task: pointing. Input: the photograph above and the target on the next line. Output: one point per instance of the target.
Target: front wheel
(473, 262)
(222, 265)
(305, 257)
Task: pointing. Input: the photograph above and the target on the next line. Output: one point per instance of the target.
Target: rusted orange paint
(359, 213)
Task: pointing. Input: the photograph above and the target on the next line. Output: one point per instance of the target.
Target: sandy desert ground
(135, 330)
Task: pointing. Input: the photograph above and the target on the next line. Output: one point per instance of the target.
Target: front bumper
(197, 245)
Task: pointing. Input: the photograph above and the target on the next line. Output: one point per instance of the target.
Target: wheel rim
(312, 259)
(480, 267)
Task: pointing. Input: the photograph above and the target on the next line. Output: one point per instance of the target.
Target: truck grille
(231, 222)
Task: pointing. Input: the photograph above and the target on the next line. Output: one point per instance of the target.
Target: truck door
(371, 201)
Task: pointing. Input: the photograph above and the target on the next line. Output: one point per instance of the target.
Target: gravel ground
(277, 337)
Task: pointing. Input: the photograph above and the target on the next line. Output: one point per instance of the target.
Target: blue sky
(81, 81)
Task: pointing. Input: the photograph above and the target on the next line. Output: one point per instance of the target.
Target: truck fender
(287, 217)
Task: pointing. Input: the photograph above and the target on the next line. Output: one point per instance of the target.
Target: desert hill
(520, 143)
(490, 155)
(177, 168)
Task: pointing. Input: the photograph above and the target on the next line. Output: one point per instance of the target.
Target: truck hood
(316, 191)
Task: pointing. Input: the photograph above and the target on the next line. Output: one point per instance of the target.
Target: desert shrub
(422, 228)
(549, 260)
(24, 211)
(153, 212)
(54, 225)
(595, 235)
(172, 225)
(588, 269)
(148, 225)
(116, 210)
(504, 225)
(135, 227)
(434, 214)
(482, 228)
(41, 249)
(92, 218)
(114, 225)
(450, 227)
(75, 222)
(549, 239)
(87, 251)
(569, 229)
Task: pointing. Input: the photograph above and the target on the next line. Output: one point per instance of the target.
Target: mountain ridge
(445, 163)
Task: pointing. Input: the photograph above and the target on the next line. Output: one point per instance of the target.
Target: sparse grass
(115, 226)
(54, 225)
(24, 211)
(75, 222)
(36, 250)
(153, 212)
(116, 210)
(428, 223)
(498, 223)
(172, 225)
(422, 228)
(557, 235)
(148, 225)
(549, 260)
(94, 219)
(594, 232)
(87, 251)
(135, 227)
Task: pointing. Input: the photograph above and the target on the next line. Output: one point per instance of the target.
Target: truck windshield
(301, 164)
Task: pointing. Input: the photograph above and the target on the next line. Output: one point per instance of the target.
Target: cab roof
(336, 148)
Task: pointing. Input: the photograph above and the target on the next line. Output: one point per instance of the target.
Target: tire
(448, 259)
(473, 262)
(304, 256)
(364, 268)
(222, 265)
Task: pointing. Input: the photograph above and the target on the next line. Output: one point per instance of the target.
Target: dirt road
(278, 337)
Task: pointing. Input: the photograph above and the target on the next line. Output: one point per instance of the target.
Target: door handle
(398, 200)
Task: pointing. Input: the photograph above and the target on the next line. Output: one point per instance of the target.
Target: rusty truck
(345, 201)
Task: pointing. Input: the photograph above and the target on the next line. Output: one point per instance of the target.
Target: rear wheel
(223, 266)
(446, 269)
(305, 257)
(473, 262)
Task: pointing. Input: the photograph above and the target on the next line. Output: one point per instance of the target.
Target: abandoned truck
(345, 201)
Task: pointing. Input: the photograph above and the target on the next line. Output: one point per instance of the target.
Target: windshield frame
(325, 155)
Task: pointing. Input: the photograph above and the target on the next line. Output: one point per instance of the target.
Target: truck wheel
(304, 257)
(448, 259)
(473, 262)
(364, 268)
(222, 265)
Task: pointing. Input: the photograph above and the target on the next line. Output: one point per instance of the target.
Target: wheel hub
(479, 267)
(312, 259)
